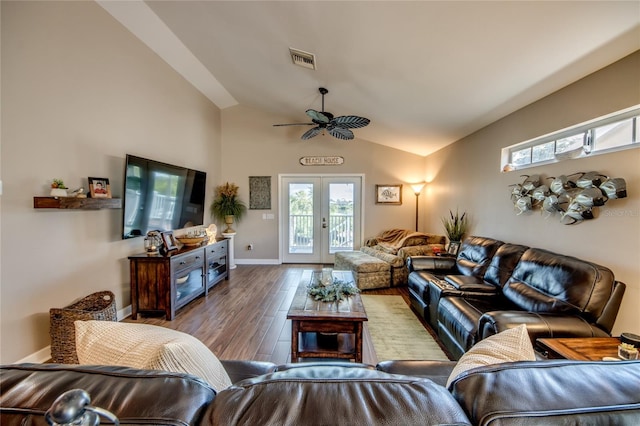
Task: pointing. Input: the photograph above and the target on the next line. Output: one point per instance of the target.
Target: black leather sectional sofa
(492, 286)
(395, 393)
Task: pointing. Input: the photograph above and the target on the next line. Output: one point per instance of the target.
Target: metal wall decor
(573, 196)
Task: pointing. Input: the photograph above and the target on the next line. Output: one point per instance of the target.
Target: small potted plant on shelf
(455, 226)
(227, 207)
(58, 188)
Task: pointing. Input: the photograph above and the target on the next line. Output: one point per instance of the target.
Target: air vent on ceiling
(304, 59)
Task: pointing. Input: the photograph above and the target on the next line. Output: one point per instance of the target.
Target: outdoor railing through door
(301, 233)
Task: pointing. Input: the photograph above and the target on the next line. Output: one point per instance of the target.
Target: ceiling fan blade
(295, 124)
(340, 132)
(311, 133)
(351, 121)
(317, 116)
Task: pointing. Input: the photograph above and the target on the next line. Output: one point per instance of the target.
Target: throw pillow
(507, 346)
(148, 347)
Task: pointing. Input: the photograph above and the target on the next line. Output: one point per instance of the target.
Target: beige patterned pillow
(148, 347)
(507, 346)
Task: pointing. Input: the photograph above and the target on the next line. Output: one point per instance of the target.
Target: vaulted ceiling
(426, 73)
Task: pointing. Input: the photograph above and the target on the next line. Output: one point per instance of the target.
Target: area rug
(396, 332)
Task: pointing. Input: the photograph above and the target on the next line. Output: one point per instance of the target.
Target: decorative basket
(97, 306)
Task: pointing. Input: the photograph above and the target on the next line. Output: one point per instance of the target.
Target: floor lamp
(417, 188)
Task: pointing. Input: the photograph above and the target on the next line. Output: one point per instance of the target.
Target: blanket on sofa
(394, 239)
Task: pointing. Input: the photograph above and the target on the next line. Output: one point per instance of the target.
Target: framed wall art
(259, 192)
(99, 187)
(389, 194)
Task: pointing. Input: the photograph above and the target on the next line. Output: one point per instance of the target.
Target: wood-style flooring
(245, 317)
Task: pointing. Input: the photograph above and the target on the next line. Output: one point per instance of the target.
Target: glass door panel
(320, 215)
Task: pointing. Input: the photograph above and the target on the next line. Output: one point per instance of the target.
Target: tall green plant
(227, 203)
(455, 225)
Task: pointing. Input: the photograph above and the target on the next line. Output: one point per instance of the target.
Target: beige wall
(78, 93)
(253, 147)
(467, 175)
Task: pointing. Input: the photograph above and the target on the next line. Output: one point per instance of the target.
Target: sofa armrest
(242, 369)
(441, 265)
(420, 250)
(472, 284)
(438, 371)
(538, 324)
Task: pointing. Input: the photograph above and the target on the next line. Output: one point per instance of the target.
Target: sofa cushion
(539, 283)
(476, 254)
(420, 250)
(388, 258)
(335, 395)
(556, 392)
(148, 347)
(503, 262)
(507, 346)
(136, 397)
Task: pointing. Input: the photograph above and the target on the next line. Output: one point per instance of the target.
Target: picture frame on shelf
(453, 248)
(99, 187)
(169, 241)
(389, 194)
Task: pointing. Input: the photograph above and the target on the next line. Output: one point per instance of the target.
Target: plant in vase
(58, 188)
(227, 207)
(455, 226)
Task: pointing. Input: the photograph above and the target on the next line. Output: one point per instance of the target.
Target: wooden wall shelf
(76, 203)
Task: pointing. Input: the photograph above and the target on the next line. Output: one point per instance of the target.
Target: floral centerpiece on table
(331, 290)
(227, 206)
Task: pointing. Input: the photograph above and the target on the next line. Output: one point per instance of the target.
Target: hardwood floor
(245, 317)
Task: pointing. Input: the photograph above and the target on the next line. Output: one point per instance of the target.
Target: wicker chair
(97, 306)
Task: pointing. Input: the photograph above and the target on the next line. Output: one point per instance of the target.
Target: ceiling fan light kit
(338, 127)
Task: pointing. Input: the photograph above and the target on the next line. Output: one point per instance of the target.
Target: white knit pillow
(148, 347)
(507, 346)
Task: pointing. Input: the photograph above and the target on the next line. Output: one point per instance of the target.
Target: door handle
(324, 222)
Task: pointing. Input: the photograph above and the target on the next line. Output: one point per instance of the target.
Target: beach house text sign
(322, 161)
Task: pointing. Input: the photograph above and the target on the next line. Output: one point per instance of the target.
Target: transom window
(614, 132)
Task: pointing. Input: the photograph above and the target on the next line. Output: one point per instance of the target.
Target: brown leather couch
(395, 392)
(492, 286)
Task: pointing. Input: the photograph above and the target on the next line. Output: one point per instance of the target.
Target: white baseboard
(42, 356)
(257, 261)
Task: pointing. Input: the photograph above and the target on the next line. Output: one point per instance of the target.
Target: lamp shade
(417, 187)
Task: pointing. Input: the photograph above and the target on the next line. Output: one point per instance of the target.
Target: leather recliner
(492, 286)
(557, 392)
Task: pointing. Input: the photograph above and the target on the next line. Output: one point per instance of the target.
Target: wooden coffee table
(322, 329)
(580, 348)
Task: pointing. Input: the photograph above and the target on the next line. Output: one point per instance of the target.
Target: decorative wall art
(389, 194)
(573, 196)
(259, 192)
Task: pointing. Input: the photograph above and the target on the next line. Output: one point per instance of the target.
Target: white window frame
(588, 128)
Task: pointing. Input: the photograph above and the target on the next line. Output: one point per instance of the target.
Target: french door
(320, 214)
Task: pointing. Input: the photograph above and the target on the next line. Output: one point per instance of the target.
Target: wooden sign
(321, 161)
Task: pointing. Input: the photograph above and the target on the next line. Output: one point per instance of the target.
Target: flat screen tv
(160, 196)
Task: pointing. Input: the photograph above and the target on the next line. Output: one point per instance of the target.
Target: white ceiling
(426, 73)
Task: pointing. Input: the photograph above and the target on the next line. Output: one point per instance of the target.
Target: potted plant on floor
(227, 207)
(455, 226)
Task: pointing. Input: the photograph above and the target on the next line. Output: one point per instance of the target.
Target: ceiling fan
(338, 127)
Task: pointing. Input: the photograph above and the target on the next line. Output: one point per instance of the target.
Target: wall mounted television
(160, 196)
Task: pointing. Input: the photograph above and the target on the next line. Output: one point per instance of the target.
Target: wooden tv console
(165, 283)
